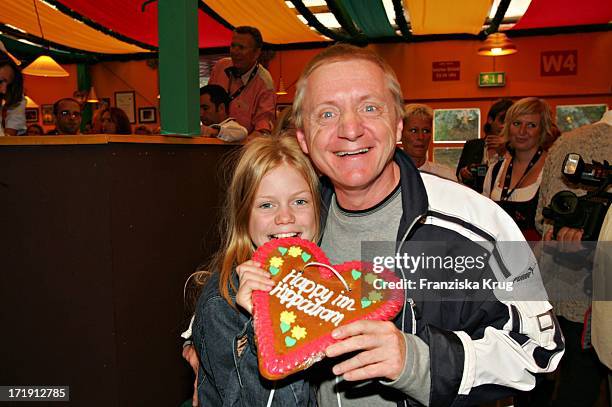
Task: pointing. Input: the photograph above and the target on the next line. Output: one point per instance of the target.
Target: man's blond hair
(345, 52)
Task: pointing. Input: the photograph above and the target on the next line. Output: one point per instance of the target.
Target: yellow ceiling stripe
(277, 22)
(447, 16)
(61, 28)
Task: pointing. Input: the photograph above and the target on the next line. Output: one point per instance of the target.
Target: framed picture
(448, 156)
(573, 116)
(147, 115)
(126, 101)
(456, 125)
(47, 114)
(31, 114)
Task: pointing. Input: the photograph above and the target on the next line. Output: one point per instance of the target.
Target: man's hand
(570, 239)
(382, 346)
(189, 354)
(208, 131)
(466, 174)
(494, 143)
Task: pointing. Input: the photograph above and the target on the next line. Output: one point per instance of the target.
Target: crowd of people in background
(515, 165)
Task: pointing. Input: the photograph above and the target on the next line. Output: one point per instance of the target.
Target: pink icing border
(275, 366)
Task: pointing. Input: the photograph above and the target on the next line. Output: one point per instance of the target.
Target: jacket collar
(414, 194)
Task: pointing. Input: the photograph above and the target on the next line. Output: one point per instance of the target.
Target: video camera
(587, 211)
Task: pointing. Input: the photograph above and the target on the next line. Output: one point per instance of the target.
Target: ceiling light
(497, 44)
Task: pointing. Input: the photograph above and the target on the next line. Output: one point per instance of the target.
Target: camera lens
(564, 202)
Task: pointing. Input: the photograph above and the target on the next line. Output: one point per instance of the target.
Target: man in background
(67, 113)
(214, 105)
(248, 84)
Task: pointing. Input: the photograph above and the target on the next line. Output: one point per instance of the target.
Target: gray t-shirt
(342, 241)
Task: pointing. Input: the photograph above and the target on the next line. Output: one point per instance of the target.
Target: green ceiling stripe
(370, 16)
(339, 11)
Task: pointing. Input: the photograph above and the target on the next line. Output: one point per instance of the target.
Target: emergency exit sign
(491, 79)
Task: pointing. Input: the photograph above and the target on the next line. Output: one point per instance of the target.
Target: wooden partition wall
(98, 235)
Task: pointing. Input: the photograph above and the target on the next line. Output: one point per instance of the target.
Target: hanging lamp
(30, 104)
(497, 44)
(91, 96)
(44, 65)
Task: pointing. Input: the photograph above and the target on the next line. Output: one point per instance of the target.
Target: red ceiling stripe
(126, 18)
(559, 13)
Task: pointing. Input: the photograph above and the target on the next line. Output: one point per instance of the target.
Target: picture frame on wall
(126, 101)
(456, 125)
(31, 114)
(47, 114)
(147, 115)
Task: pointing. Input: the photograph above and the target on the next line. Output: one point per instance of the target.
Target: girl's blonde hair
(256, 159)
(530, 105)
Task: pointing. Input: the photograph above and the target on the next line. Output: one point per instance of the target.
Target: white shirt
(230, 130)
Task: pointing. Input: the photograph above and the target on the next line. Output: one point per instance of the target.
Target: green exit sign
(491, 79)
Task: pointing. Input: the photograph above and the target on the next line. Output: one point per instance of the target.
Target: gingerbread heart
(293, 322)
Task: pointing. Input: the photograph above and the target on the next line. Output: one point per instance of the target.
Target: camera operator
(580, 372)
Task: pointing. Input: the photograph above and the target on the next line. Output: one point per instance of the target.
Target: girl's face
(283, 207)
(525, 132)
(108, 126)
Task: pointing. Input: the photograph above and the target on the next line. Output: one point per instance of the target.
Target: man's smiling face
(350, 123)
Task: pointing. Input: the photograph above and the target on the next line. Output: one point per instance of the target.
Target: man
(348, 115)
(214, 105)
(416, 137)
(67, 114)
(248, 83)
(484, 151)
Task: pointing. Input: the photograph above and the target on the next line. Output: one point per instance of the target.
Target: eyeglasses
(66, 113)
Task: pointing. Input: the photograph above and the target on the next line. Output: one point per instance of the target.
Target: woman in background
(514, 182)
(12, 101)
(114, 121)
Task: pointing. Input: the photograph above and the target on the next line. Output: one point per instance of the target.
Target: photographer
(479, 153)
(580, 371)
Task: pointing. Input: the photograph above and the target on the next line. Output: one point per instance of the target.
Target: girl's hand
(252, 277)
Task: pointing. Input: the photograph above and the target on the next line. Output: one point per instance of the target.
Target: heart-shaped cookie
(293, 322)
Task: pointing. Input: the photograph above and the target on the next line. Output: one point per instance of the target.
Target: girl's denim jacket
(228, 375)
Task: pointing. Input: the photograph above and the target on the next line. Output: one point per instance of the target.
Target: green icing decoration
(306, 256)
(365, 302)
(284, 327)
(282, 250)
(289, 341)
(356, 274)
(273, 270)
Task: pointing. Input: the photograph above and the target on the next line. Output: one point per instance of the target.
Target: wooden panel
(97, 243)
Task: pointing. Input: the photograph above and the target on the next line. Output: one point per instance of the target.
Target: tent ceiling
(127, 26)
